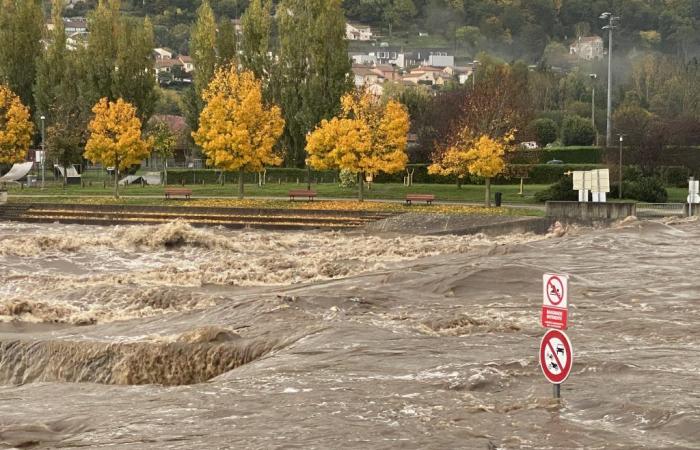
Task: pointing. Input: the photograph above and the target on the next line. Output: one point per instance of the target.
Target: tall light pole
(593, 78)
(43, 149)
(612, 20)
(474, 64)
(619, 191)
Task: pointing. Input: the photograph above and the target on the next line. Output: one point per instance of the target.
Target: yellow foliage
(115, 135)
(236, 129)
(367, 137)
(15, 128)
(482, 156)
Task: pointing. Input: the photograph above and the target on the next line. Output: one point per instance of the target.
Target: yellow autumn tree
(237, 130)
(15, 127)
(367, 137)
(115, 137)
(480, 155)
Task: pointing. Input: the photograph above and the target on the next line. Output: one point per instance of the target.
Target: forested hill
(519, 29)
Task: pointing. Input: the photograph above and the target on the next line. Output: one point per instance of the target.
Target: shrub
(562, 190)
(348, 179)
(577, 131)
(545, 131)
(645, 189)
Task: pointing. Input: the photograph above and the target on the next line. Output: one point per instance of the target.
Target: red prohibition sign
(555, 294)
(556, 356)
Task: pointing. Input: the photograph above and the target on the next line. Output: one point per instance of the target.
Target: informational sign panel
(694, 191)
(555, 292)
(556, 356)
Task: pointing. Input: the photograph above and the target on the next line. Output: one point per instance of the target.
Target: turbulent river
(174, 337)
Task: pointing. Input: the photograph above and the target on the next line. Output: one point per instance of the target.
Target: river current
(173, 337)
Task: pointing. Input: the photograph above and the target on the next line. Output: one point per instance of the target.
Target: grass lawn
(443, 192)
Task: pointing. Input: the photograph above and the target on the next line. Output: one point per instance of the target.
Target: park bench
(301, 193)
(177, 192)
(427, 198)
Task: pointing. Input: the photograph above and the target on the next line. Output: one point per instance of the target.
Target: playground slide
(17, 172)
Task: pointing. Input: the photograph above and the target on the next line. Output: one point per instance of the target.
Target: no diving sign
(555, 293)
(556, 356)
(555, 290)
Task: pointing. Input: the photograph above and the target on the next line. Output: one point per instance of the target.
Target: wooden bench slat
(428, 198)
(301, 193)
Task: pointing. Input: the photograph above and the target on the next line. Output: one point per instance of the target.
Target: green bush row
(273, 175)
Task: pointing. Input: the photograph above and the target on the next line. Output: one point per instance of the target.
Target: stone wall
(590, 211)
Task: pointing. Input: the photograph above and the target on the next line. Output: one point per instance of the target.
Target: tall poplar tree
(203, 42)
(313, 69)
(203, 47)
(227, 43)
(255, 48)
(134, 78)
(21, 31)
(51, 65)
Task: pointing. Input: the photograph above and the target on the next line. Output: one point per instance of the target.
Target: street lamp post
(619, 191)
(610, 27)
(474, 64)
(43, 150)
(593, 78)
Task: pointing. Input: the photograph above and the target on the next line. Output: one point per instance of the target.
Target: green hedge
(573, 155)
(273, 175)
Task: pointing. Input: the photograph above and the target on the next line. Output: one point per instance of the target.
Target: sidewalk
(533, 206)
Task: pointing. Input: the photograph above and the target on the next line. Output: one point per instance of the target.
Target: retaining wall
(590, 211)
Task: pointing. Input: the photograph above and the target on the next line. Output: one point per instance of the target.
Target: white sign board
(39, 156)
(693, 194)
(600, 180)
(555, 290)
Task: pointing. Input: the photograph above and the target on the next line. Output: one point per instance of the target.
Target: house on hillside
(588, 48)
(426, 75)
(460, 73)
(440, 61)
(366, 76)
(187, 63)
(163, 53)
(356, 32)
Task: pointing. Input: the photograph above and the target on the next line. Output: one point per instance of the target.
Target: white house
(588, 48)
(163, 53)
(354, 32)
(187, 63)
(440, 61)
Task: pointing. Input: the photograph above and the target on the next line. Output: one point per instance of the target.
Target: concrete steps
(279, 219)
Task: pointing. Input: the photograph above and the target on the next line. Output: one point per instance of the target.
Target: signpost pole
(556, 390)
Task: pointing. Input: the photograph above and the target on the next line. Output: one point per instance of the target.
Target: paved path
(256, 197)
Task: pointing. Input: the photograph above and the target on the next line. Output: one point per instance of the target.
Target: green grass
(443, 192)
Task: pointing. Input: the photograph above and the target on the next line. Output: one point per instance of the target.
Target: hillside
(514, 29)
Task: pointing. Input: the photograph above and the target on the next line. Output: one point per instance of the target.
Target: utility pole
(474, 64)
(43, 150)
(612, 20)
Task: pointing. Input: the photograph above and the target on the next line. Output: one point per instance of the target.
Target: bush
(676, 176)
(348, 179)
(644, 189)
(577, 131)
(562, 190)
(545, 131)
(273, 175)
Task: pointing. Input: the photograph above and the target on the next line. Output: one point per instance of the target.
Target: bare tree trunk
(361, 187)
(488, 192)
(240, 183)
(116, 180)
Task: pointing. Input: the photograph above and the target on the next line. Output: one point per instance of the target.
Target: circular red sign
(555, 294)
(556, 356)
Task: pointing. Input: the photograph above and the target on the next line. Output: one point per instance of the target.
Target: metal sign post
(556, 352)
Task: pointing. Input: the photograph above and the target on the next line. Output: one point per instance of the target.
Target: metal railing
(661, 209)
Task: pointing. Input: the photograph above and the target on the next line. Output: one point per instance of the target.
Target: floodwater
(173, 337)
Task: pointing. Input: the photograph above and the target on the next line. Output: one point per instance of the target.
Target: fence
(662, 209)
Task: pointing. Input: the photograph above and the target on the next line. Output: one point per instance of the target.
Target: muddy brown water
(173, 337)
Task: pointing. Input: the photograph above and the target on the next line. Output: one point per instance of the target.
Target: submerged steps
(280, 219)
